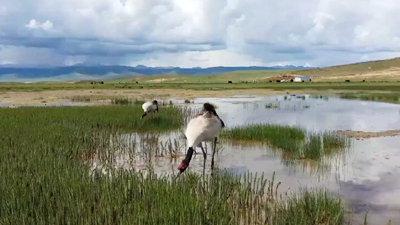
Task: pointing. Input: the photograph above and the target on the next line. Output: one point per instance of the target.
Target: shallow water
(367, 176)
(310, 113)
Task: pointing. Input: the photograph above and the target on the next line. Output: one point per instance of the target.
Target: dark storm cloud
(199, 32)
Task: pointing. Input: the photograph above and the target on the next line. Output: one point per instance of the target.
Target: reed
(45, 177)
(377, 97)
(293, 140)
(309, 207)
(117, 100)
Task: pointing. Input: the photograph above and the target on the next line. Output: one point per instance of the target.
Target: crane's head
(155, 103)
(207, 107)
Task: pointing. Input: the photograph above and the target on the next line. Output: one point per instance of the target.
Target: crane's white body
(204, 127)
(149, 107)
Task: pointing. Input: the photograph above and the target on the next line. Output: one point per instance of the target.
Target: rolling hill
(373, 70)
(90, 72)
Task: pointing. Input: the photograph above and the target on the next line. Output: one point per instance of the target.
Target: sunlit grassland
(353, 69)
(45, 177)
(295, 141)
(237, 76)
(203, 85)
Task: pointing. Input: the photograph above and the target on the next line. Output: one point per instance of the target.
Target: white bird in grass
(149, 108)
(204, 127)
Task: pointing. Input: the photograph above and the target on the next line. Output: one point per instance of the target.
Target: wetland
(279, 155)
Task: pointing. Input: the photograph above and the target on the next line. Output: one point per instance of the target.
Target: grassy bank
(46, 178)
(292, 140)
(116, 100)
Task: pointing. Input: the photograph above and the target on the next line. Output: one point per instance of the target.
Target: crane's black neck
(188, 157)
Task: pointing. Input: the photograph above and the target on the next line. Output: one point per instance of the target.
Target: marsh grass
(126, 101)
(81, 98)
(312, 149)
(295, 141)
(121, 101)
(332, 141)
(283, 137)
(377, 97)
(45, 177)
(272, 105)
(89, 98)
(310, 207)
(116, 100)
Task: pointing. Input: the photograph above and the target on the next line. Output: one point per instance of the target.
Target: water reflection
(381, 199)
(365, 176)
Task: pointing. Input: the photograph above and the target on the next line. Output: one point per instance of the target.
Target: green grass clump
(121, 101)
(317, 207)
(284, 137)
(333, 141)
(312, 149)
(126, 101)
(114, 100)
(349, 96)
(376, 97)
(293, 140)
(81, 98)
(261, 132)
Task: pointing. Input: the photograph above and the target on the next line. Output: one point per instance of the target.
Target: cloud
(33, 24)
(199, 32)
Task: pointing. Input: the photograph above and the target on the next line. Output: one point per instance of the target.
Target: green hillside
(374, 69)
(382, 70)
(237, 76)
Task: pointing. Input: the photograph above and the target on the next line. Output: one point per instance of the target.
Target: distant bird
(202, 128)
(149, 107)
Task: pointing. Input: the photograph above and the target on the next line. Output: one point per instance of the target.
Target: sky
(198, 33)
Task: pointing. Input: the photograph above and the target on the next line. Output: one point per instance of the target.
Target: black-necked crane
(149, 107)
(203, 128)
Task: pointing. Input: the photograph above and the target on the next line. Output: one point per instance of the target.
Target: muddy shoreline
(359, 135)
(104, 96)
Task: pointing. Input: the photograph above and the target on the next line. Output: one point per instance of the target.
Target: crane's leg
(205, 158)
(213, 152)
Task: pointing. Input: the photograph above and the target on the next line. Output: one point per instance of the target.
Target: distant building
(302, 79)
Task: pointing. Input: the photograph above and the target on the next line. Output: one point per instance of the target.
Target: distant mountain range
(96, 72)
